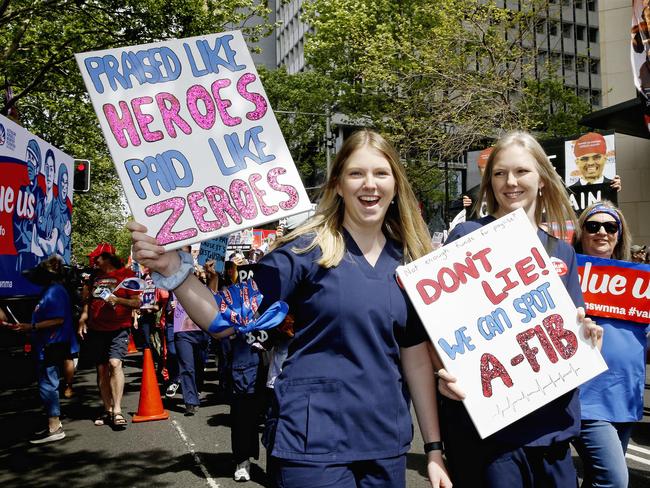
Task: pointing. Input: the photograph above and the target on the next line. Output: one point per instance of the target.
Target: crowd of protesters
(337, 367)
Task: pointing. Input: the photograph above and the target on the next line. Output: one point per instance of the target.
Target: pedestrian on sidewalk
(52, 336)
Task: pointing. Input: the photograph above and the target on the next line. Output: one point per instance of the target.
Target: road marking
(190, 448)
(637, 459)
(638, 449)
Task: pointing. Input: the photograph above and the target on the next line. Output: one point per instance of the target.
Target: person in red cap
(104, 326)
(590, 151)
(472, 194)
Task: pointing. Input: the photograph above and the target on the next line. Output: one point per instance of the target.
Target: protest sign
(35, 205)
(590, 159)
(214, 249)
(193, 137)
(501, 320)
(616, 289)
(582, 196)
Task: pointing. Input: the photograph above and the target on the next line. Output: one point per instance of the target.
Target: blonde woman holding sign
(340, 415)
(534, 451)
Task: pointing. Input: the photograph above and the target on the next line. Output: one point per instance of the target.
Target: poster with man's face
(590, 160)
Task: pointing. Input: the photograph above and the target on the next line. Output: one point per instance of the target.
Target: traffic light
(81, 175)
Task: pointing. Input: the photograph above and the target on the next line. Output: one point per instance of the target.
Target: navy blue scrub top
(558, 420)
(340, 396)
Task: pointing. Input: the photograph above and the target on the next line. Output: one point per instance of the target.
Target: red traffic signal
(81, 175)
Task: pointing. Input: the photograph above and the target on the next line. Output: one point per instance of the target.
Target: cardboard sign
(582, 196)
(35, 205)
(590, 159)
(616, 289)
(193, 137)
(214, 249)
(502, 321)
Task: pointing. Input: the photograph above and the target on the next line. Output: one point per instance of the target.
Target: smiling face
(515, 181)
(600, 244)
(367, 186)
(591, 166)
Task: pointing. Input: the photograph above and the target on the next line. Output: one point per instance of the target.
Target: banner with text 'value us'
(193, 137)
(502, 321)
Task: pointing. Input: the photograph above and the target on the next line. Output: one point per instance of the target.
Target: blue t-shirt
(340, 396)
(53, 304)
(558, 420)
(617, 394)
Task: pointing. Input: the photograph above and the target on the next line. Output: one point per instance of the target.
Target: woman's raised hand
(149, 253)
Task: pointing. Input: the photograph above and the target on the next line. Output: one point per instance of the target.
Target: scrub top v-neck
(340, 396)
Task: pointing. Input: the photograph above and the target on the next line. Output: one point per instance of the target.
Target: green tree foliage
(438, 77)
(553, 109)
(38, 39)
(301, 102)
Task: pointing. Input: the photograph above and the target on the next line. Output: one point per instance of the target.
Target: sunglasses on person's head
(593, 226)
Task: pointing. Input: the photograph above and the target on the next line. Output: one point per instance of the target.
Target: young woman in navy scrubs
(534, 451)
(612, 402)
(341, 412)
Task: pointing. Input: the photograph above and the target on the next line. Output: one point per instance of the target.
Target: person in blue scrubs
(534, 451)
(613, 401)
(340, 413)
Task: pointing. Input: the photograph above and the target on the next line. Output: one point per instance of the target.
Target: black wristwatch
(432, 446)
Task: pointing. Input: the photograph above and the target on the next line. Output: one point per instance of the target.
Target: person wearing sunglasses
(613, 401)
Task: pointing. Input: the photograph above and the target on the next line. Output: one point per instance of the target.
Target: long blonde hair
(402, 223)
(623, 243)
(552, 199)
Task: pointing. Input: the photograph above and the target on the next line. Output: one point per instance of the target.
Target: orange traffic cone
(150, 406)
(132, 349)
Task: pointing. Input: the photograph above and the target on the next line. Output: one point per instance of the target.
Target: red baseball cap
(101, 248)
(483, 156)
(590, 143)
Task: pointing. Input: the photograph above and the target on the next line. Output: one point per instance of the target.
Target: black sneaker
(190, 410)
(47, 436)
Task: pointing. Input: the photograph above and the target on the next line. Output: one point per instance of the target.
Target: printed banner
(616, 289)
(193, 137)
(35, 205)
(214, 249)
(501, 321)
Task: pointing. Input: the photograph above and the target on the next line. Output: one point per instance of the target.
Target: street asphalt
(188, 452)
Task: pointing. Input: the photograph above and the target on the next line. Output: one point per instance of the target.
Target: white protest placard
(502, 321)
(193, 137)
(214, 249)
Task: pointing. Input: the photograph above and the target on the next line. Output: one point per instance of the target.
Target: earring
(392, 202)
(539, 192)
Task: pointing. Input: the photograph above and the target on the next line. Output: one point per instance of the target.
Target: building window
(578, 3)
(591, 5)
(593, 34)
(540, 26)
(566, 30)
(581, 64)
(580, 32)
(594, 66)
(567, 61)
(595, 97)
(552, 28)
